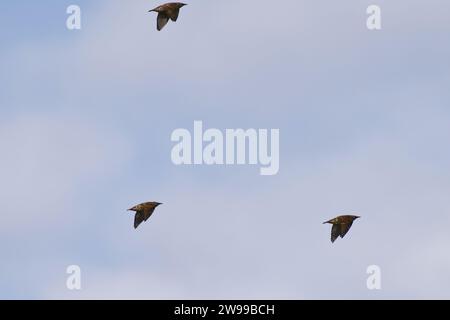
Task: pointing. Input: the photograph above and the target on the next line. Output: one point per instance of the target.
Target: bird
(143, 212)
(167, 11)
(341, 225)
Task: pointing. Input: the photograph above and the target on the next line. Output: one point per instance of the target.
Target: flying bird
(341, 225)
(143, 212)
(167, 11)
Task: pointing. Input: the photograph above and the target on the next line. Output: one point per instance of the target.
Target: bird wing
(147, 213)
(335, 232)
(344, 228)
(138, 218)
(173, 14)
(162, 21)
(142, 215)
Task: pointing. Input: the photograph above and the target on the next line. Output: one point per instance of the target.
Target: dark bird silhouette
(167, 11)
(143, 212)
(341, 225)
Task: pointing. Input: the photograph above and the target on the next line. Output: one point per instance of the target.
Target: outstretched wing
(142, 215)
(161, 21)
(335, 232)
(174, 14)
(148, 213)
(138, 218)
(344, 228)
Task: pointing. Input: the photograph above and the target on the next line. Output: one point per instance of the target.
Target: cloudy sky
(85, 124)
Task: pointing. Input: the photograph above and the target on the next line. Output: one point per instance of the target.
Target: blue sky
(85, 125)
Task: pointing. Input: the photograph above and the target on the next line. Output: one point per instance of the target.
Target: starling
(143, 212)
(167, 11)
(341, 225)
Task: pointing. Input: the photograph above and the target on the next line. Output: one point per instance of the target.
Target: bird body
(143, 212)
(341, 225)
(167, 11)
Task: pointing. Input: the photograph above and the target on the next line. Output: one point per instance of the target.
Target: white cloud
(45, 161)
